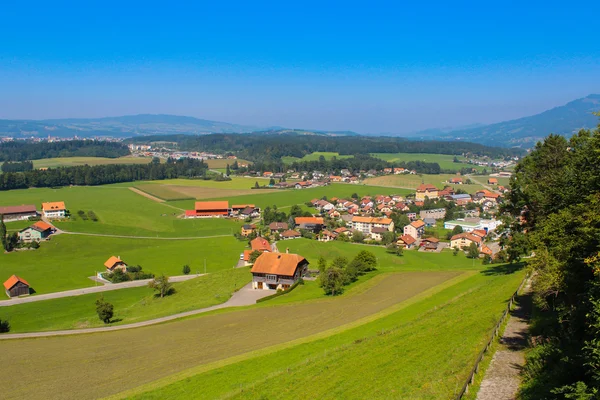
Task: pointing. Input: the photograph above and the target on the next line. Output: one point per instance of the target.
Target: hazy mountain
(525, 132)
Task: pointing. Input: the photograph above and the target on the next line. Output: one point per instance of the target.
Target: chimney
(287, 250)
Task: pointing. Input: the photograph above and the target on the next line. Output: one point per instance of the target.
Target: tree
(321, 264)
(354, 196)
(3, 238)
(4, 326)
(455, 251)
(104, 310)
(388, 237)
(367, 258)
(256, 185)
(339, 262)
(271, 182)
(358, 237)
(457, 230)
(332, 281)
(473, 251)
(186, 269)
(253, 256)
(227, 170)
(162, 285)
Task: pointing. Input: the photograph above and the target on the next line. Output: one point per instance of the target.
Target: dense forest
(104, 174)
(354, 164)
(267, 147)
(556, 192)
(17, 166)
(20, 150)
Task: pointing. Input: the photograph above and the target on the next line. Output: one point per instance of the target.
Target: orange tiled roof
(242, 206)
(277, 263)
(309, 220)
(260, 244)
(43, 225)
(372, 220)
(467, 236)
(417, 224)
(110, 263)
(54, 206)
(12, 281)
(408, 239)
(426, 187)
(211, 205)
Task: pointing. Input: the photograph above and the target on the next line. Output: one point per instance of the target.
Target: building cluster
(222, 209)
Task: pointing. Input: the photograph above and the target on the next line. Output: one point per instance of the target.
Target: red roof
(290, 233)
(42, 225)
(17, 209)
(260, 244)
(309, 220)
(417, 224)
(211, 205)
(277, 263)
(467, 236)
(12, 281)
(426, 187)
(407, 239)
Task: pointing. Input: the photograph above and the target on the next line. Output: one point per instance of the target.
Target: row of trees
(340, 272)
(23, 150)
(556, 198)
(264, 146)
(16, 166)
(104, 174)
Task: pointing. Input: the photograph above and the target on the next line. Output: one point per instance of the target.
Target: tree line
(556, 197)
(17, 166)
(22, 150)
(104, 174)
(263, 146)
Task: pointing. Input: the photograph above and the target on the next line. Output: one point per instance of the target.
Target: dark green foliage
(19, 150)
(332, 280)
(186, 269)
(103, 174)
(253, 256)
(3, 238)
(340, 272)
(358, 237)
(4, 326)
(104, 310)
(92, 215)
(17, 166)
(368, 259)
(457, 230)
(133, 273)
(162, 285)
(472, 251)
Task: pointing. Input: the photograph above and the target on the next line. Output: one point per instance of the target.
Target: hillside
(525, 132)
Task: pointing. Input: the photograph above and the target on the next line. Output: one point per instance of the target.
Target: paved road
(502, 378)
(95, 289)
(244, 297)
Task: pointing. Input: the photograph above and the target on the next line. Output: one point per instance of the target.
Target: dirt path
(88, 290)
(244, 297)
(502, 378)
(154, 198)
(486, 186)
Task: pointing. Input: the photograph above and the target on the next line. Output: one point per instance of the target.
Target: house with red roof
(36, 232)
(406, 241)
(204, 209)
(415, 229)
(260, 244)
(16, 286)
(277, 271)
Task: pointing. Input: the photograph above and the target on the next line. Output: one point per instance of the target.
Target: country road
(88, 290)
(244, 297)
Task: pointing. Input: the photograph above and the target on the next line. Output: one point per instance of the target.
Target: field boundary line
(140, 237)
(153, 198)
(282, 346)
(495, 333)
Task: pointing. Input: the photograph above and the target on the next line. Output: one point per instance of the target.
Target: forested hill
(262, 147)
(22, 150)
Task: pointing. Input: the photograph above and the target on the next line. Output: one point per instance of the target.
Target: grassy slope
(314, 157)
(425, 352)
(131, 305)
(74, 161)
(412, 181)
(445, 161)
(66, 261)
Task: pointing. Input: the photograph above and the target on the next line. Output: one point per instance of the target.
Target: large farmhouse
(314, 224)
(18, 213)
(55, 209)
(426, 190)
(203, 209)
(367, 224)
(16, 286)
(36, 232)
(277, 271)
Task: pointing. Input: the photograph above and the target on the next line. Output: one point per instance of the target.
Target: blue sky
(364, 66)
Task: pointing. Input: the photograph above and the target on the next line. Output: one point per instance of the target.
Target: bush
(4, 326)
(186, 269)
(92, 215)
(104, 309)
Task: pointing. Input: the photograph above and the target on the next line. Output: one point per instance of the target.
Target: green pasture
(446, 161)
(234, 183)
(66, 261)
(131, 305)
(314, 157)
(413, 181)
(422, 351)
(76, 161)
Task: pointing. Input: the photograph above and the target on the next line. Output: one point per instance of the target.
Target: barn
(18, 213)
(16, 286)
(209, 209)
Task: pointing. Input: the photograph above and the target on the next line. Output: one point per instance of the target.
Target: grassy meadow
(413, 181)
(66, 261)
(314, 157)
(76, 161)
(131, 305)
(446, 161)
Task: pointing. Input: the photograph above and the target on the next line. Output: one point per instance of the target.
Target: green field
(413, 181)
(446, 161)
(131, 305)
(66, 261)
(314, 157)
(75, 161)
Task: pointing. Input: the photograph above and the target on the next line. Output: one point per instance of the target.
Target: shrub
(104, 309)
(4, 326)
(186, 269)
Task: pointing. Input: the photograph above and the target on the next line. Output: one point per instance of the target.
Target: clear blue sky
(365, 66)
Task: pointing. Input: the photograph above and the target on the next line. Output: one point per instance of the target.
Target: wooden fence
(495, 332)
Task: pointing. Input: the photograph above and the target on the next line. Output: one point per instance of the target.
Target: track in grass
(102, 364)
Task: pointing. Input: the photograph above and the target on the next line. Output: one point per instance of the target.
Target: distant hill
(525, 132)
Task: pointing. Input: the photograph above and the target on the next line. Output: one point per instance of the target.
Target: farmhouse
(377, 233)
(314, 224)
(290, 234)
(455, 181)
(430, 244)
(426, 190)
(54, 210)
(260, 244)
(247, 229)
(367, 224)
(209, 209)
(36, 232)
(492, 181)
(464, 240)
(415, 229)
(18, 213)
(278, 226)
(406, 241)
(16, 286)
(114, 263)
(277, 271)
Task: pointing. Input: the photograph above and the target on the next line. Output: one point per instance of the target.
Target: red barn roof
(12, 281)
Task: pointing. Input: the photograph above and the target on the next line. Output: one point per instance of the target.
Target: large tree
(162, 285)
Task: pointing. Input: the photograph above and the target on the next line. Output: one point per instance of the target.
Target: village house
(415, 229)
(411, 216)
(438, 213)
(426, 190)
(398, 171)
(324, 205)
(278, 226)
(277, 271)
(18, 213)
(429, 222)
(16, 286)
(245, 210)
(464, 240)
(446, 191)
(377, 233)
(54, 210)
(485, 251)
(430, 244)
(483, 195)
(455, 181)
(260, 244)
(303, 185)
(268, 174)
(492, 181)
(367, 224)
(387, 171)
(114, 263)
(406, 241)
(326, 236)
(314, 224)
(342, 231)
(204, 209)
(247, 229)
(36, 232)
(290, 234)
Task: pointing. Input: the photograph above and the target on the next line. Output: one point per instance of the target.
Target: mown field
(314, 157)
(423, 350)
(446, 161)
(158, 351)
(75, 161)
(413, 181)
(131, 305)
(66, 261)
(176, 192)
(222, 163)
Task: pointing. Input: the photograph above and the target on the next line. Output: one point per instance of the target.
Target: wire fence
(495, 332)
